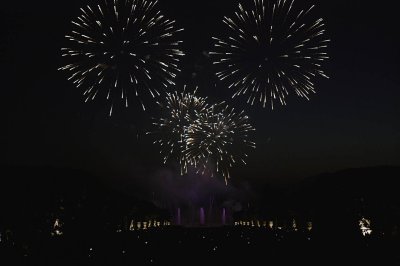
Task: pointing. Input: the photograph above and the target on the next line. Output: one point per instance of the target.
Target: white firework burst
(220, 138)
(271, 48)
(179, 112)
(122, 48)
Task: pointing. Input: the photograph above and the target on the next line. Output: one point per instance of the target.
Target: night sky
(352, 121)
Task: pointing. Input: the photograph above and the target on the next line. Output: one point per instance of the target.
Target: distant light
(57, 226)
(265, 224)
(309, 226)
(294, 225)
(132, 226)
(365, 226)
(271, 224)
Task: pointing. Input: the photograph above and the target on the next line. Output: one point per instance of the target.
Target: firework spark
(180, 111)
(122, 48)
(220, 137)
(200, 135)
(270, 49)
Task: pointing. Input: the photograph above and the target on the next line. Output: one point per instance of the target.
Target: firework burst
(220, 137)
(179, 112)
(271, 49)
(122, 48)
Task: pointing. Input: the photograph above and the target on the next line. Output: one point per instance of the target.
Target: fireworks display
(270, 49)
(122, 48)
(119, 49)
(220, 138)
(201, 135)
(180, 111)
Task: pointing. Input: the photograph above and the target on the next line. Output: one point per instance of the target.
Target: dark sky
(351, 122)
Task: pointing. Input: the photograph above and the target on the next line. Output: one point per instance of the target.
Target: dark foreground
(207, 246)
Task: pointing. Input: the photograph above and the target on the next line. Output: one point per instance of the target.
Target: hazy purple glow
(202, 216)
(178, 217)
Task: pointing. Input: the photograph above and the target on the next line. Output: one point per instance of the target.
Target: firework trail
(271, 49)
(221, 138)
(194, 133)
(122, 48)
(179, 112)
